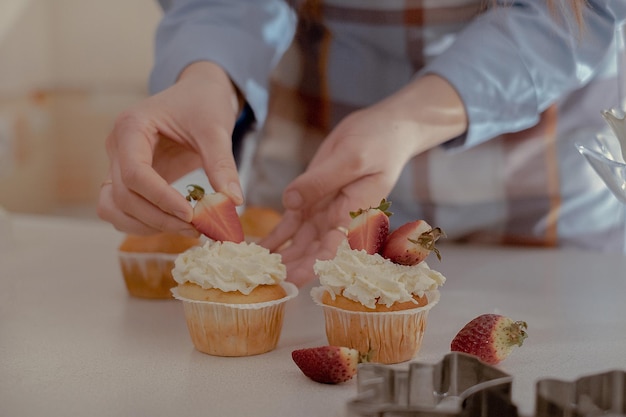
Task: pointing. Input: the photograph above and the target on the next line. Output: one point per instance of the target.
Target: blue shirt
(532, 83)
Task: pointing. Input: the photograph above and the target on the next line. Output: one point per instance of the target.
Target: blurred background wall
(67, 69)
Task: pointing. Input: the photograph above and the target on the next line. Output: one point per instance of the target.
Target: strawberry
(490, 337)
(411, 243)
(328, 364)
(215, 215)
(369, 228)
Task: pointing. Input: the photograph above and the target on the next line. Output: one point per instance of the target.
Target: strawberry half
(328, 364)
(369, 228)
(411, 243)
(490, 337)
(215, 215)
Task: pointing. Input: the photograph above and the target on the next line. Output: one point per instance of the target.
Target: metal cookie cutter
(590, 396)
(458, 386)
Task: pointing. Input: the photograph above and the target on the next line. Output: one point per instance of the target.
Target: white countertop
(73, 343)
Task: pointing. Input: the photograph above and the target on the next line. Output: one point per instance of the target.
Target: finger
(219, 164)
(283, 232)
(300, 270)
(143, 211)
(134, 167)
(300, 273)
(305, 237)
(321, 249)
(326, 178)
(107, 210)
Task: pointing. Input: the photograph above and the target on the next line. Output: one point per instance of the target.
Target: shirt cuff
(247, 57)
(492, 106)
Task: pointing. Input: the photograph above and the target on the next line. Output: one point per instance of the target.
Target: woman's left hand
(356, 166)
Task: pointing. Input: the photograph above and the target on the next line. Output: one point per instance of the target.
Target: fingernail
(293, 200)
(235, 191)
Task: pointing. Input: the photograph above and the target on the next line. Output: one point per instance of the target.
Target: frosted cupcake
(379, 304)
(146, 263)
(234, 297)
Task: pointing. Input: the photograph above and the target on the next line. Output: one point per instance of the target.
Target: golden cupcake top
(158, 243)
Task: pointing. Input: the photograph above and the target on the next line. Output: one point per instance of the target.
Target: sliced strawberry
(490, 337)
(411, 243)
(215, 215)
(328, 364)
(369, 228)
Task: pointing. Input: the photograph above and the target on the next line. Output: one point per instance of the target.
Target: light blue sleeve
(245, 37)
(515, 60)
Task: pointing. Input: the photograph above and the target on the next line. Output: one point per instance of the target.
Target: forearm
(430, 108)
(206, 71)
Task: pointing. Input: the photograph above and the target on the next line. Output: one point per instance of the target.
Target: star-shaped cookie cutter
(601, 394)
(459, 385)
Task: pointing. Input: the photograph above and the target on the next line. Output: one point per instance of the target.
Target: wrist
(434, 109)
(207, 70)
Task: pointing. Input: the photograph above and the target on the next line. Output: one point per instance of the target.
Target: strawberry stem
(517, 332)
(382, 206)
(195, 192)
(428, 239)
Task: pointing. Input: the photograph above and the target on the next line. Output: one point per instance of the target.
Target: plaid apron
(529, 187)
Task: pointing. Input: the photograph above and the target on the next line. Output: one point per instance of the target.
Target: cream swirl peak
(370, 279)
(229, 266)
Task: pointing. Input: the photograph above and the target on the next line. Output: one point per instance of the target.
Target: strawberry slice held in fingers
(411, 243)
(215, 215)
(369, 228)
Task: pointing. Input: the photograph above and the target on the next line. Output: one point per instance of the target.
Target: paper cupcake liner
(148, 275)
(222, 329)
(387, 337)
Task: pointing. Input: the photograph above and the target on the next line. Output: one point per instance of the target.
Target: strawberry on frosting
(369, 228)
(411, 243)
(372, 279)
(373, 266)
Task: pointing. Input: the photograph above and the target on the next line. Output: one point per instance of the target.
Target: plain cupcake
(146, 263)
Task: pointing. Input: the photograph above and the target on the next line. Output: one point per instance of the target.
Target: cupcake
(147, 261)
(258, 222)
(377, 291)
(233, 296)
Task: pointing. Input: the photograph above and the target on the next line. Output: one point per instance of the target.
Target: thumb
(219, 164)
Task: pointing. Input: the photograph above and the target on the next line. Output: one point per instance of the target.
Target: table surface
(73, 343)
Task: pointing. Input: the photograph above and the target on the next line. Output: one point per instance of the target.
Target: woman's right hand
(164, 137)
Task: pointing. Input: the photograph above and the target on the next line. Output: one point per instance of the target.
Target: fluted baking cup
(223, 329)
(387, 337)
(148, 275)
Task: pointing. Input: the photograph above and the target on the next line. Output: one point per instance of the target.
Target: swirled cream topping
(229, 266)
(371, 279)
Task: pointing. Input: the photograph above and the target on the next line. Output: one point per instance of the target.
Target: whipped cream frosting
(229, 266)
(371, 279)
